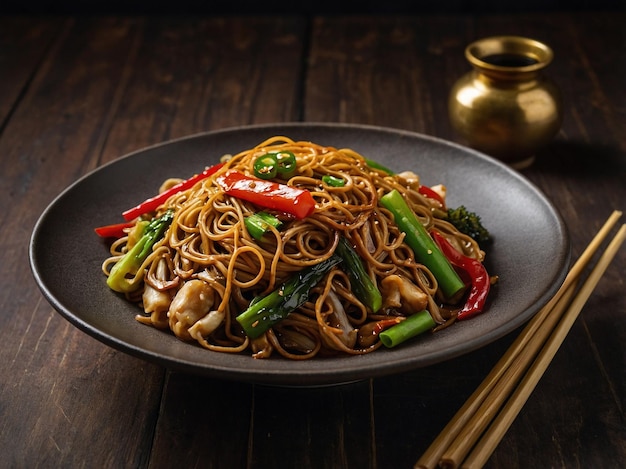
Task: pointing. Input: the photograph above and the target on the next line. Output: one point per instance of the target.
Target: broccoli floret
(469, 223)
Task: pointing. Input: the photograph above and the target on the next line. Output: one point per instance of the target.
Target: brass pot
(504, 107)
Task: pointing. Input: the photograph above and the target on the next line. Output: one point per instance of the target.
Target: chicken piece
(261, 347)
(441, 190)
(156, 303)
(192, 303)
(207, 324)
(409, 179)
(402, 295)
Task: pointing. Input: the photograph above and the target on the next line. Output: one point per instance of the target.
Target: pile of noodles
(208, 249)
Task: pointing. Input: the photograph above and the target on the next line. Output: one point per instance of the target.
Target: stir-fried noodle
(208, 268)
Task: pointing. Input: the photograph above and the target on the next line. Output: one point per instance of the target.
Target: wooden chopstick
(490, 406)
(512, 364)
(485, 447)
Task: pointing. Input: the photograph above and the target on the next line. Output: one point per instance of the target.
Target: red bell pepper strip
(431, 194)
(113, 231)
(475, 270)
(268, 194)
(153, 203)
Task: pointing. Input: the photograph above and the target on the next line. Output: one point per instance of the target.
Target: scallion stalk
(412, 326)
(423, 246)
(333, 181)
(259, 223)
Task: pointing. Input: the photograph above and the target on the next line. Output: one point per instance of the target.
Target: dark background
(273, 7)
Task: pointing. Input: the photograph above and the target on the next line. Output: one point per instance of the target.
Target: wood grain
(58, 385)
(79, 92)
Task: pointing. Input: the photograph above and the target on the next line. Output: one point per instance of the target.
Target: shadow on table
(591, 160)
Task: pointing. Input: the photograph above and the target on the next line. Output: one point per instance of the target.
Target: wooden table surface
(78, 92)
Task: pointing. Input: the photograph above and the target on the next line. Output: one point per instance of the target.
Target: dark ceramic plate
(530, 252)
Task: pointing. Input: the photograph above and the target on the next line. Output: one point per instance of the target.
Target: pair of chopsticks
(472, 435)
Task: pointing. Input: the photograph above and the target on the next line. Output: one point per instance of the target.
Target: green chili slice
(266, 166)
(333, 181)
(270, 165)
(286, 163)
